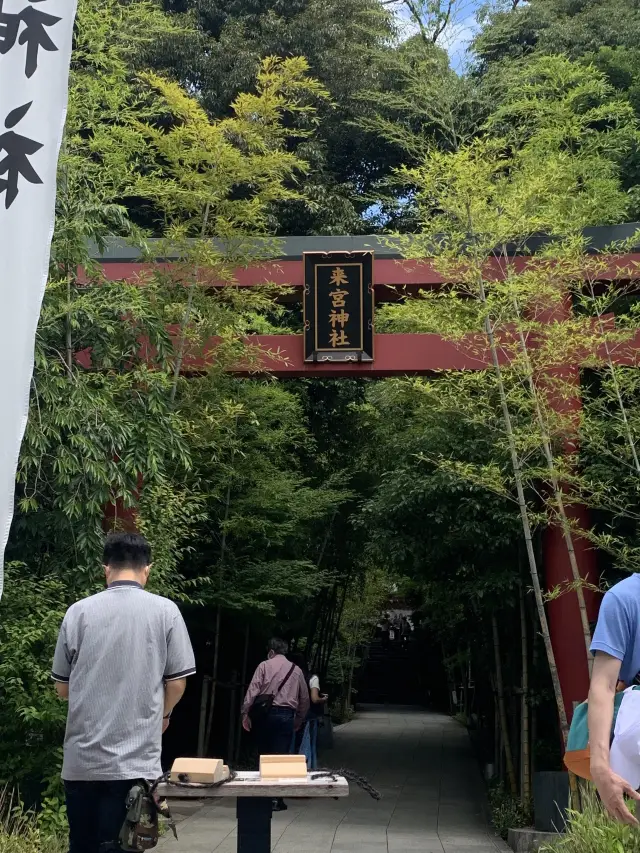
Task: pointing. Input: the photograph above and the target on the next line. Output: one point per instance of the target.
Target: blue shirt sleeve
(613, 631)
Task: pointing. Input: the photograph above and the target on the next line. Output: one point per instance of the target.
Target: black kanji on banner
(338, 306)
(28, 27)
(16, 164)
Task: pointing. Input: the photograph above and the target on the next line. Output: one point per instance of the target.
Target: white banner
(35, 51)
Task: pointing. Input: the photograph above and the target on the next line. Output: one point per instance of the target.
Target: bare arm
(62, 689)
(604, 680)
(255, 689)
(316, 698)
(173, 693)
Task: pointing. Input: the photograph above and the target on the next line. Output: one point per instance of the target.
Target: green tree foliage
(346, 45)
(112, 425)
(414, 516)
(605, 34)
(32, 717)
(103, 423)
(575, 28)
(256, 540)
(547, 161)
(366, 597)
(206, 124)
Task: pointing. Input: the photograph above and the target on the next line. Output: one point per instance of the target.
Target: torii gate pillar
(565, 624)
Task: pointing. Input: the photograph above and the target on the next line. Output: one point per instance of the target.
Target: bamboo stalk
(335, 628)
(216, 651)
(214, 680)
(525, 763)
(508, 754)
(233, 716)
(557, 493)
(204, 701)
(187, 312)
(243, 682)
(68, 330)
(64, 191)
(524, 515)
(535, 654)
(623, 410)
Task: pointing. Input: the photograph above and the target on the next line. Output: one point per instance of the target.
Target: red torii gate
(416, 354)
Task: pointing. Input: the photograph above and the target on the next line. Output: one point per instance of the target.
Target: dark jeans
(275, 733)
(96, 812)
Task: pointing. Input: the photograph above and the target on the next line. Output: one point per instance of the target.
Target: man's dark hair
(280, 647)
(126, 551)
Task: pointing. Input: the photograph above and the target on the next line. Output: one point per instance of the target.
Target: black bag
(264, 703)
(140, 829)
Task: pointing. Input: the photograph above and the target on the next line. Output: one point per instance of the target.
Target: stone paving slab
(420, 761)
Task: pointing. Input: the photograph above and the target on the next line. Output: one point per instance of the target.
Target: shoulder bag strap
(284, 681)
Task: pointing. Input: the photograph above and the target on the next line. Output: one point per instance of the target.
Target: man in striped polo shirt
(122, 660)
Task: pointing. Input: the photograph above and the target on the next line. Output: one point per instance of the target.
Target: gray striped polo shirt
(116, 649)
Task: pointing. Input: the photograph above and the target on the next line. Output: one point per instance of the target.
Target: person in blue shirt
(616, 647)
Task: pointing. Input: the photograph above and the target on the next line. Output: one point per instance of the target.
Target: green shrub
(52, 817)
(32, 718)
(507, 811)
(341, 714)
(593, 831)
(20, 831)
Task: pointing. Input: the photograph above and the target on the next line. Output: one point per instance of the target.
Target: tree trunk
(525, 761)
(558, 495)
(526, 525)
(508, 755)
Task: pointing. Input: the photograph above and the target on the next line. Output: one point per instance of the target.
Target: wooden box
(283, 767)
(198, 770)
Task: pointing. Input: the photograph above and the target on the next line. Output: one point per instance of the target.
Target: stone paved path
(422, 764)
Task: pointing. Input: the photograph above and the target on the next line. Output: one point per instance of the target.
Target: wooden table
(255, 799)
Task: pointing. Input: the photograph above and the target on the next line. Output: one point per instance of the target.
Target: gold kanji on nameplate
(338, 306)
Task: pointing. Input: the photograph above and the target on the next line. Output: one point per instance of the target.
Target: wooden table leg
(254, 824)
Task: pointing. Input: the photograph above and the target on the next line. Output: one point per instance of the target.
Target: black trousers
(96, 812)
